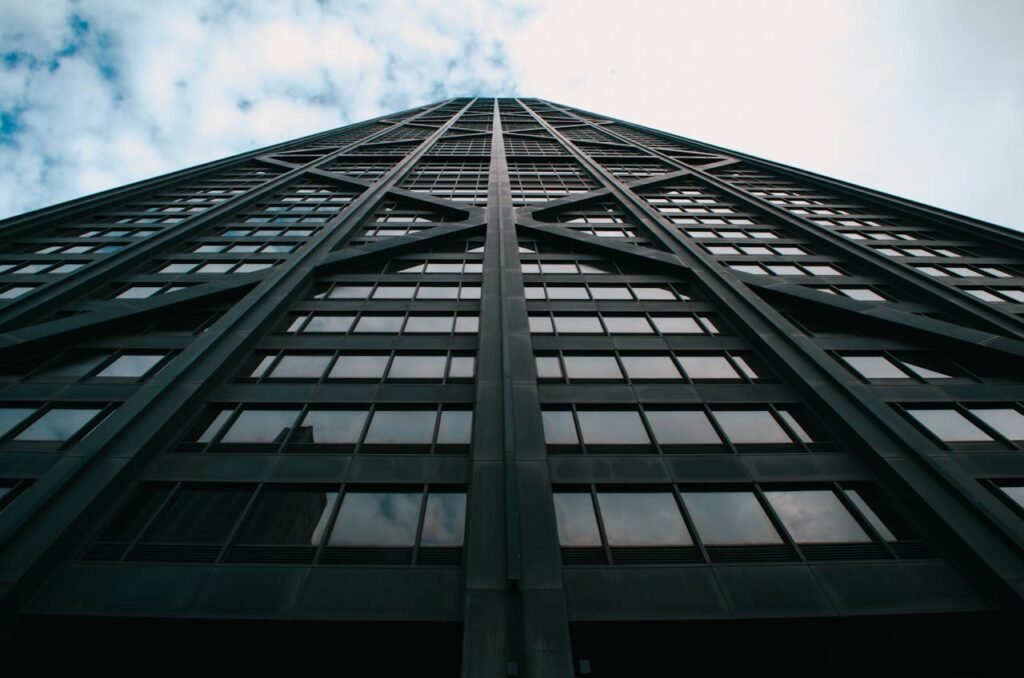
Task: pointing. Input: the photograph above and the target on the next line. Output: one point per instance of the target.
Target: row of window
(37, 268)
(565, 267)
(998, 295)
(963, 271)
(878, 235)
(592, 429)
(214, 267)
(756, 250)
(385, 291)
(78, 249)
(730, 234)
(365, 366)
(671, 517)
(254, 248)
(235, 232)
(102, 365)
(411, 323)
(971, 423)
(899, 366)
(53, 423)
(644, 367)
(560, 323)
(358, 428)
(786, 269)
(606, 292)
(237, 523)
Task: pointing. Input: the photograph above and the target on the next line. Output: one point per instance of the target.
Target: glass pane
(816, 517)
(429, 324)
(131, 366)
(627, 325)
(438, 292)
(417, 367)
(540, 324)
(59, 424)
(577, 524)
(642, 519)
(1008, 422)
(576, 324)
(462, 367)
(444, 522)
(393, 292)
(654, 293)
(350, 292)
(467, 324)
(592, 367)
(924, 367)
(724, 518)
(300, 367)
(751, 426)
(871, 367)
(401, 427)
(359, 367)
(602, 292)
(686, 427)
(261, 426)
(566, 292)
(548, 368)
(708, 367)
(389, 324)
(650, 367)
(12, 416)
(377, 519)
(681, 325)
(199, 516)
(559, 428)
(1014, 493)
(949, 425)
(456, 427)
(603, 427)
(329, 323)
(288, 517)
(331, 426)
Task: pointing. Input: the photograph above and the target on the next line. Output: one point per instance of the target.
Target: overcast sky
(920, 98)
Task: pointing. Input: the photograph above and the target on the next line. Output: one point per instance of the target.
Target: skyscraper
(502, 387)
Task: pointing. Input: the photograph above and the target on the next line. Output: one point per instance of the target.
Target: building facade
(498, 387)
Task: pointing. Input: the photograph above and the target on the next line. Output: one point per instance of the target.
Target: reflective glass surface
(726, 518)
(815, 517)
(642, 519)
(377, 519)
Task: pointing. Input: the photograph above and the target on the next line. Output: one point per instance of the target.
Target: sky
(919, 98)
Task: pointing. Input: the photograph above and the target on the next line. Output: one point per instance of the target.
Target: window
(815, 516)
(751, 426)
(730, 518)
(642, 519)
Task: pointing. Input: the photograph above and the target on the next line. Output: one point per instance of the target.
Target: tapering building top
(513, 389)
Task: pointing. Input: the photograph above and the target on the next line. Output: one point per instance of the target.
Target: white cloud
(921, 98)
